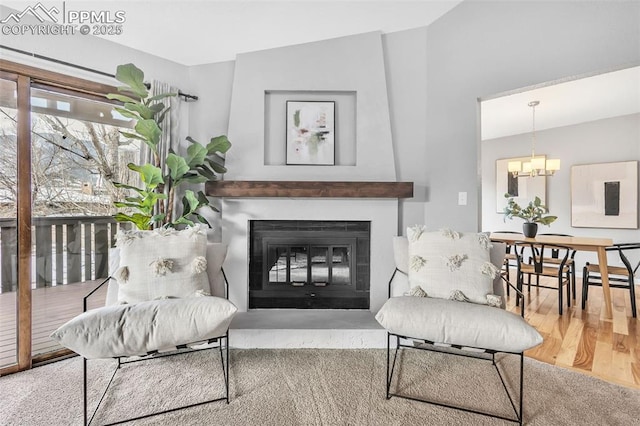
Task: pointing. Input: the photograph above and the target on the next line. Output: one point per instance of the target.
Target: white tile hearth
(306, 328)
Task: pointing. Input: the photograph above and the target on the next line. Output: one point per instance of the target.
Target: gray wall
(483, 48)
(406, 65)
(602, 141)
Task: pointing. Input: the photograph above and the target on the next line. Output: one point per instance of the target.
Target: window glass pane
(8, 229)
(77, 153)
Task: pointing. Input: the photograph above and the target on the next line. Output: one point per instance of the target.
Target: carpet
(312, 387)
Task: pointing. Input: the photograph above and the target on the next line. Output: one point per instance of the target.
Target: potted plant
(152, 205)
(532, 214)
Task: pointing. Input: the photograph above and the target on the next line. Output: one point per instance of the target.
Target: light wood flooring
(585, 340)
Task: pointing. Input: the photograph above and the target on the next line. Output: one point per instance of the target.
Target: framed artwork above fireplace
(310, 136)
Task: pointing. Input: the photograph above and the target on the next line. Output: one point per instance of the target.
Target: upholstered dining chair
(158, 304)
(619, 276)
(539, 268)
(446, 295)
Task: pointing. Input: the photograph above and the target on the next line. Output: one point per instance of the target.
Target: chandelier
(536, 166)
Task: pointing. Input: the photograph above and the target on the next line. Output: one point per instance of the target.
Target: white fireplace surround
(353, 64)
(237, 212)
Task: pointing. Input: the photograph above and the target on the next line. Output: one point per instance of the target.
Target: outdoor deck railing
(64, 249)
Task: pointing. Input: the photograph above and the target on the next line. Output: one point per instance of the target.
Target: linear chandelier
(536, 166)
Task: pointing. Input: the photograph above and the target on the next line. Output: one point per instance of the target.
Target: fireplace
(309, 264)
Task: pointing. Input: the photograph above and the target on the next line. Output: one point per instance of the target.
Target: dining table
(597, 245)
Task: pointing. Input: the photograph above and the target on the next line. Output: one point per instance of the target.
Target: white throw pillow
(161, 263)
(447, 263)
(457, 323)
(129, 330)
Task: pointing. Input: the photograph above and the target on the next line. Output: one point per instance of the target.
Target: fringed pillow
(161, 264)
(448, 264)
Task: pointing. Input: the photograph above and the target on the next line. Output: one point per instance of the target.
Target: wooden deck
(52, 307)
(583, 341)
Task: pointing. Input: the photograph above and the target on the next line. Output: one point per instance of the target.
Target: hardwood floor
(586, 341)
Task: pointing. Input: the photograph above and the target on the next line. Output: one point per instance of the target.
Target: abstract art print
(311, 132)
(605, 195)
(522, 189)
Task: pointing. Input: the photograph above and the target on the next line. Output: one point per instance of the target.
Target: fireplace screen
(309, 264)
(312, 265)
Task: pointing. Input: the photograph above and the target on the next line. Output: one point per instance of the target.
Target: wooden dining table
(576, 243)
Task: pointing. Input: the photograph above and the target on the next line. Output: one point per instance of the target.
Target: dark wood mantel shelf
(313, 189)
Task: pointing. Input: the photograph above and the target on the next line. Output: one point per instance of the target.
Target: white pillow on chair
(446, 261)
(161, 263)
(130, 330)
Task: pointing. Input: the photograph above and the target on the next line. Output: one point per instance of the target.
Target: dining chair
(509, 261)
(619, 276)
(537, 266)
(554, 260)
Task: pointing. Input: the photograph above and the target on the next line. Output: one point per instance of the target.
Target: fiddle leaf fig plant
(153, 204)
(534, 212)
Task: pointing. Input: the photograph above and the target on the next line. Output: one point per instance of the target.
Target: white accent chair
(470, 329)
(138, 330)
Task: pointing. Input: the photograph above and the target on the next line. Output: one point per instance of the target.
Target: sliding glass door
(61, 150)
(8, 222)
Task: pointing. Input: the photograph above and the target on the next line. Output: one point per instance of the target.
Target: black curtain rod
(185, 96)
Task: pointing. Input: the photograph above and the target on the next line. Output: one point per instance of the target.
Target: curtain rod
(187, 97)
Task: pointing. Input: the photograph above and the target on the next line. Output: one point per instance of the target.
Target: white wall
(602, 141)
(481, 48)
(405, 55)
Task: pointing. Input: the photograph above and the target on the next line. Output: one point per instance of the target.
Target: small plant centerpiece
(532, 214)
(152, 204)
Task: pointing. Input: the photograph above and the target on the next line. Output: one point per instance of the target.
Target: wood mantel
(314, 189)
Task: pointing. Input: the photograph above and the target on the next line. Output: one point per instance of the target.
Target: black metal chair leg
(632, 293)
(560, 295)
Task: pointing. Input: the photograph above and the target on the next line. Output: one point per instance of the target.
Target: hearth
(309, 264)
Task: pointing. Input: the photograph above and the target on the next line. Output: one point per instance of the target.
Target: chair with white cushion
(447, 291)
(158, 303)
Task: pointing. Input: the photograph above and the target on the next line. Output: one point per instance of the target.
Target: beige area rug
(312, 387)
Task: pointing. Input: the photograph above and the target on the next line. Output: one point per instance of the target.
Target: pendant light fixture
(536, 166)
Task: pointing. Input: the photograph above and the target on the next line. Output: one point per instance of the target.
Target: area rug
(312, 387)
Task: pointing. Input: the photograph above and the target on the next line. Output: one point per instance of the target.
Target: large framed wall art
(605, 195)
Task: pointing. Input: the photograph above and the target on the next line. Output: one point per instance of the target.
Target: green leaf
(160, 96)
(157, 218)
(177, 165)
(192, 201)
(126, 113)
(219, 144)
(218, 168)
(141, 221)
(120, 204)
(144, 111)
(196, 154)
(149, 130)
(201, 219)
(206, 172)
(132, 136)
(194, 178)
(120, 97)
(133, 77)
(164, 113)
(124, 186)
(150, 174)
(202, 199)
